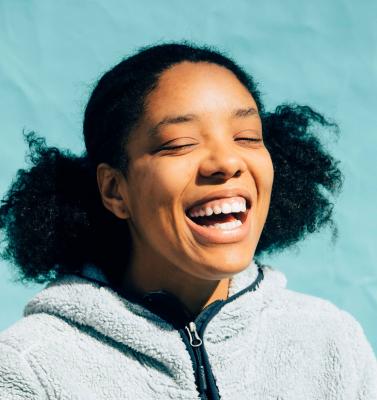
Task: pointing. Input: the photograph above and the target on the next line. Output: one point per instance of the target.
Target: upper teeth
(224, 207)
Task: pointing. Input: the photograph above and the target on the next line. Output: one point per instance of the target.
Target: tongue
(215, 219)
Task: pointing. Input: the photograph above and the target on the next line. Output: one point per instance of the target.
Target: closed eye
(178, 147)
(250, 139)
(175, 147)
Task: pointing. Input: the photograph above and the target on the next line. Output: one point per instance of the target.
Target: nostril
(226, 175)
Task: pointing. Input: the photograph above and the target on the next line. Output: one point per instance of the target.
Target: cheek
(172, 175)
(268, 176)
(164, 182)
(262, 169)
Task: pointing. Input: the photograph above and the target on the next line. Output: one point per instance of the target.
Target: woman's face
(198, 149)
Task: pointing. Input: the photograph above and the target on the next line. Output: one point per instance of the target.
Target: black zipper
(192, 336)
(203, 371)
(194, 346)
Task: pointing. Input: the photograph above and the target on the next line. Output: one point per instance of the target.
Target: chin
(226, 263)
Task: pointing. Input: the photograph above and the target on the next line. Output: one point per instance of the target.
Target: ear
(112, 187)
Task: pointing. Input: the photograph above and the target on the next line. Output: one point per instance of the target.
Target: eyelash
(251, 139)
(175, 147)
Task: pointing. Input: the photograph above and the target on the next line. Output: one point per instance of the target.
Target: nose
(223, 162)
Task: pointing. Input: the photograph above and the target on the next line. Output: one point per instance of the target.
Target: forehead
(190, 87)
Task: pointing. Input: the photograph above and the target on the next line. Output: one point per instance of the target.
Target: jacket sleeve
(364, 359)
(17, 379)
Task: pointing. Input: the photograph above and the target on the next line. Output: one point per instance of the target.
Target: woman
(149, 243)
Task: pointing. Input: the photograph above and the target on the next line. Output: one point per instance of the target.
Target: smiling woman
(149, 243)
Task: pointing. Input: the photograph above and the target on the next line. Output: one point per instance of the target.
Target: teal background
(321, 53)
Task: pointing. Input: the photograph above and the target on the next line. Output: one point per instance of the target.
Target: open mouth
(225, 217)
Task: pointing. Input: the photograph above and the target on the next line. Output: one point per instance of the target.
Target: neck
(193, 292)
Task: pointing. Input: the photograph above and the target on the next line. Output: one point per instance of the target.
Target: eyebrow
(178, 119)
(244, 112)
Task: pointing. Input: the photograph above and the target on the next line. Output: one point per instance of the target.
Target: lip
(217, 236)
(221, 194)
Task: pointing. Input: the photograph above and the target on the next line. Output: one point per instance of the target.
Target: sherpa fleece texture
(78, 340)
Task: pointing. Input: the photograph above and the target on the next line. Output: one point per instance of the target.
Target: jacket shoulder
(18, 380)
(27, 348)
(33, 330)
(314, 312)
(334, 334)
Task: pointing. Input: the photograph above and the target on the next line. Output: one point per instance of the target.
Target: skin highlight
(198, 134)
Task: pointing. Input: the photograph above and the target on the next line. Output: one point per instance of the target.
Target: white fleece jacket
(81, 340)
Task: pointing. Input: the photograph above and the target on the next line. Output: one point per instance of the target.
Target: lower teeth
(226, 225)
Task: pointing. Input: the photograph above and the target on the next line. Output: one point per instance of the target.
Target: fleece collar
(87, 302)
(166, 305)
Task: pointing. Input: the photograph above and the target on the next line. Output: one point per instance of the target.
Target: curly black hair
(52, 215)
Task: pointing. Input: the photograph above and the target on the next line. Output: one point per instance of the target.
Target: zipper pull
(195, 340)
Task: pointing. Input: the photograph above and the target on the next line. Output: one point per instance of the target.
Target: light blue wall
(322, 53)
